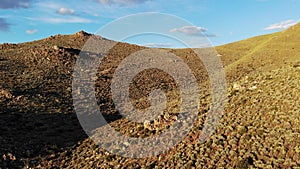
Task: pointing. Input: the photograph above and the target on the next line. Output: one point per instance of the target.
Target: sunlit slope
(261, 53)
(234, 51)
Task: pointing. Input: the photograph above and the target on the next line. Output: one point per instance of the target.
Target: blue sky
(224, 21)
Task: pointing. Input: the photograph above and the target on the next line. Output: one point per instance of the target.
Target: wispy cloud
(190, 30)
(48, 5)
(193, 31)
(6, 4)
(52, 7)
(281, 25)
(4, 26)
(62, 8)
(158, 45)
(31, 31)
(65, 11)
(53, 20)
(122, 2)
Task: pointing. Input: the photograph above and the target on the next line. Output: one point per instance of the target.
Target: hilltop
(259, 128)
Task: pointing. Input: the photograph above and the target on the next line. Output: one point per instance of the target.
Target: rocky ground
(256, 131)
(39, 127)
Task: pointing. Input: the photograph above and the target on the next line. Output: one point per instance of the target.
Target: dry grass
(259, 128)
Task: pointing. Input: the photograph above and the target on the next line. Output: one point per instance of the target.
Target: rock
(147, 124)
(166, 115)
(5, 93)
(252, 88)
(81, 33)
(156, 122)
(55, 47)
(8, 156)
(246, 79)
(126, 144)
(236, 87)
(106, 71)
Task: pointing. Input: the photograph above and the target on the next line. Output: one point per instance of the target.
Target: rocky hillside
(259, 128)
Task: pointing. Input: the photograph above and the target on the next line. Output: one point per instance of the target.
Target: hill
(259, 128)
(262, 53)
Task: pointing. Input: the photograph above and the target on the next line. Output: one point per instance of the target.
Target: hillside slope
(262, 53)
(259, 128)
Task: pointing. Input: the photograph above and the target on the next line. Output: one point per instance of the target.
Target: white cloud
(158, 45)
(66, 11)
(193, 31)
(190, 30)
(72, 19)
(281, 25)
(50, 7)
(31, 31)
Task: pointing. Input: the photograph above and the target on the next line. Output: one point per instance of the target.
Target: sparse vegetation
(259, 128)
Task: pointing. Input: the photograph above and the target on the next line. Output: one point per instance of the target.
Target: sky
(222, 21)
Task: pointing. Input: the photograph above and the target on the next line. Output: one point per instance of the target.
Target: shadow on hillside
(39, 121)
(36, 132)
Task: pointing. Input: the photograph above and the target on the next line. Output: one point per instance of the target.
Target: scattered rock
(252, 88)
(8, 156)
(126, 144)
(106, 71)
(82, 33)
(236, 87)
(156, 122)
(55, 47)
(5, 93)
(147, 124)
